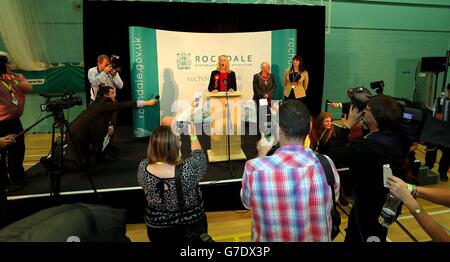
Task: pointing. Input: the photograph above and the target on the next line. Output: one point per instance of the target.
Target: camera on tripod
(66, 100)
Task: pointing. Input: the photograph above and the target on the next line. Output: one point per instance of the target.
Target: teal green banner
(58, 79)
(144, 78)
(284, 47)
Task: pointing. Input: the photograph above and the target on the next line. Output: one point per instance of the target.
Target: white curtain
(22, 37)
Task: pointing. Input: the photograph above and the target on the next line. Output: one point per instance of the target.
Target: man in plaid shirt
(288, 192)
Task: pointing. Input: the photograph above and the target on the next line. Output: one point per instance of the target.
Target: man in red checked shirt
(288, 192)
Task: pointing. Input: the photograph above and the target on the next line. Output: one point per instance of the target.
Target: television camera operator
(365, 158)
(13, 88)
(88, 130)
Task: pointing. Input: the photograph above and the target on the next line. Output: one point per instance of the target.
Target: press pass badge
(15, 101)
(387, 172)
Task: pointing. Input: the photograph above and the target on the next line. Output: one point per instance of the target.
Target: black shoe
(443, 177)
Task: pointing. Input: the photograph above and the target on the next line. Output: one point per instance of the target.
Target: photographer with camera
(365, 158)
(13, 88)
(106, 72)
(89, 129)
(175, 211)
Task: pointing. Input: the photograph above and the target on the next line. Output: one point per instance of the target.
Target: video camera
(115, 63)
(66, 100)
(378, 86)
(413, 118)
(359, 97)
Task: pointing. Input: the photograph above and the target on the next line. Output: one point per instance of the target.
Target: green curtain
(56, 79)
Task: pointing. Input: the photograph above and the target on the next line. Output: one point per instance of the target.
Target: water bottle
(389, 210)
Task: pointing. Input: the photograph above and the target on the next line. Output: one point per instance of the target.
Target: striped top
(289, 196)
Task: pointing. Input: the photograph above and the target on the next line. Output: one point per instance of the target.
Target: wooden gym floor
(235, 226)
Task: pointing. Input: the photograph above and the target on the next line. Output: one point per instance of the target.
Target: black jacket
(365, 159)
(260, 88)
(91, 126)
(231, 80)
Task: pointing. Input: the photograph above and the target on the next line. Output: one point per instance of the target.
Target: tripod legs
(78, 156)
(57, 158)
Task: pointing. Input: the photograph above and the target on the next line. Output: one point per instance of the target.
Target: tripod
(57, 158)
(55, 162)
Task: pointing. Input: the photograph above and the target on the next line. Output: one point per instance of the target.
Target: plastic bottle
(389, 210)
(391, 204)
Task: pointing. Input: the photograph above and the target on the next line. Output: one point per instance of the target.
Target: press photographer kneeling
(365, 158)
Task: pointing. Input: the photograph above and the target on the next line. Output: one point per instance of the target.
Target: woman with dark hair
(295, 80)
(322, 133)
(164, 177)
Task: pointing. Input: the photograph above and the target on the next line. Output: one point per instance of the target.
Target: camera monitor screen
(407, 116)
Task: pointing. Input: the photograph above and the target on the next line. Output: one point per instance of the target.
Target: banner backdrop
(177, 65)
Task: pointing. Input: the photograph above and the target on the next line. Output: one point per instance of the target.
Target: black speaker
(432, 64)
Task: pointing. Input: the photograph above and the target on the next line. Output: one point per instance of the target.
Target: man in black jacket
(88, 130)
(365, 158)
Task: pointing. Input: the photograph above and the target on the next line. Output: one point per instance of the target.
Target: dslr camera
(115, 63)
(63, 101)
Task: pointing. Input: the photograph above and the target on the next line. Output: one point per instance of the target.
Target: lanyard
(318, 141)
(9, 87)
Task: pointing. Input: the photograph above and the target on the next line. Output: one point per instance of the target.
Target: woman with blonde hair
(322, 133)
(222, 79)
(175, 209)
